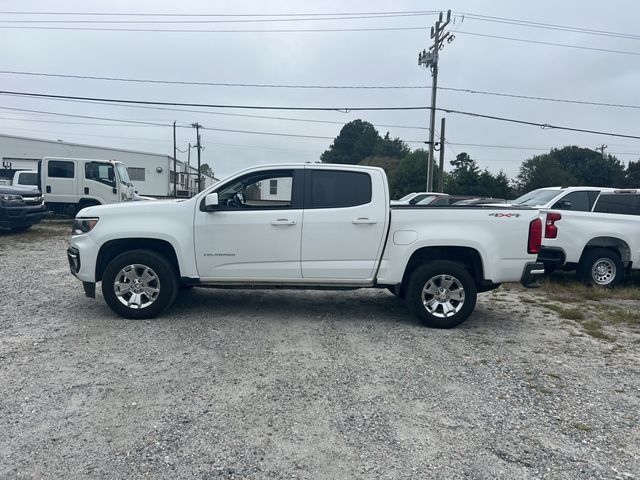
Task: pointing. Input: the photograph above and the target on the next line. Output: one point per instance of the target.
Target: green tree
(356, 141)
(570, 165)
(411, 174)
(464, 179)
(205, 169)
(388, 164)
(632, 175)
(393, 148)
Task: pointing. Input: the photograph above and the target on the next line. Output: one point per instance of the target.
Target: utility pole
(197, 126)
(601, 149)
(429, 58)
(441, 177)
(175, 169)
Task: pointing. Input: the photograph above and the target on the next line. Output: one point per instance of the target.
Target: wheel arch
(468, 257)
(113, 248)
(611, 243)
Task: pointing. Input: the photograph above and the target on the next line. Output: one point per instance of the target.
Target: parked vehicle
(303, 226)
(480, 201)
(415, 197)
(20, 207)
(71, 184)
(443, 200)
(601, 244)
(26, 179)
(565, 198)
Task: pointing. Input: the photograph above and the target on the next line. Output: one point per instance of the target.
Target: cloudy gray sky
(346, 58)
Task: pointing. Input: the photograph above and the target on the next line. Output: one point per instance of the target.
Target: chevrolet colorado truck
(601, 241)
(20, 208)
(316, 226)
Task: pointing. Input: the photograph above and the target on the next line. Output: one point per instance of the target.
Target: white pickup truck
(303, 226)
(601, 241)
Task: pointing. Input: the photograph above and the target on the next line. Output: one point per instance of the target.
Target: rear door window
(337, 189)
(621, 204)
(60, 169)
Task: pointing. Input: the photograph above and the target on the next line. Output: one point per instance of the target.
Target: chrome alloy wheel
(136, 286)
(603, 271)
(443, 296)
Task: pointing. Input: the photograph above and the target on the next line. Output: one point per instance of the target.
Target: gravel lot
(302, 384)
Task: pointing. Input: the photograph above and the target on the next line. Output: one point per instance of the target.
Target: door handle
(283, 222)
(363, 221)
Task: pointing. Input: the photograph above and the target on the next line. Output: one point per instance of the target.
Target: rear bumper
(531, 274)
(22, 216)
(553, 256)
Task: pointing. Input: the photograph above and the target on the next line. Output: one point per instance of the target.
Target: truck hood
(24, 191)
(158, 208)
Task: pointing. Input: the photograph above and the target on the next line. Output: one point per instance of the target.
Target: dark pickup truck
(20, 208)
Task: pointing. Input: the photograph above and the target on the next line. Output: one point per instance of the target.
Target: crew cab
(303, 226)
(20, 208)
(600, 243)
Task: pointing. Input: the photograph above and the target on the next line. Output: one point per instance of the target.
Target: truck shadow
(358, 306)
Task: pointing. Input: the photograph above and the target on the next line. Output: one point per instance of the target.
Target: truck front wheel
(139, 284)
(442, 294)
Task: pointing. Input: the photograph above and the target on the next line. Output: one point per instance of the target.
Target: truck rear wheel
(601, 267)
(139, 284)
(442, 294)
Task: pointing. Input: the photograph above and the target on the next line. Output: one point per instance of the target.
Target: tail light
(535, 236)
(550, 229)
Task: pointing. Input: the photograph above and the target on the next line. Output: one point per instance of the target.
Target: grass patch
(594, 328)
(582, 427)
(626, 317)
(568, 313)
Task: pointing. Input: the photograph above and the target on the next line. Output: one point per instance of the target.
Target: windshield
(427, 200)
(536, 198)
(124, 175)
(407, 197)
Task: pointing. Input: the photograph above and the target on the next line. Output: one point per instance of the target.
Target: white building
(151, 173)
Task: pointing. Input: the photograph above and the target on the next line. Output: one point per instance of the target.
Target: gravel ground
(301, 384)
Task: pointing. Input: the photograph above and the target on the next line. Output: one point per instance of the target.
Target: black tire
(161, 276)
(601, 267)
(437, 274)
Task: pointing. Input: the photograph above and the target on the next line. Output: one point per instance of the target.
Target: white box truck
(71, 184)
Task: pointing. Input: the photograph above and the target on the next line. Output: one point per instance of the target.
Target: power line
(547, 26)
(207, 105)
(243, 20)
(149, 14)
(329, 16)
(336, 109)
(539, 42)
(176, 30)
(319, 87)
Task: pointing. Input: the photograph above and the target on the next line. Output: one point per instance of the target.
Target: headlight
(7, 197)
(83, 225)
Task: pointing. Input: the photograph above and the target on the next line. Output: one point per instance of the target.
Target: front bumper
(531, 274)
(21, 216)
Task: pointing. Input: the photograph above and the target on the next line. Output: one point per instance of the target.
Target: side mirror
(115, 190)
(211, 202)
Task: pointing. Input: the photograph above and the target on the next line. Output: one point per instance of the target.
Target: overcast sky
(366, 58)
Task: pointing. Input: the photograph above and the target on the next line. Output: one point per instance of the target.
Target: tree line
(360, 143)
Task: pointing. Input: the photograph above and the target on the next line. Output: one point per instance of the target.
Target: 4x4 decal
(504, 215)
